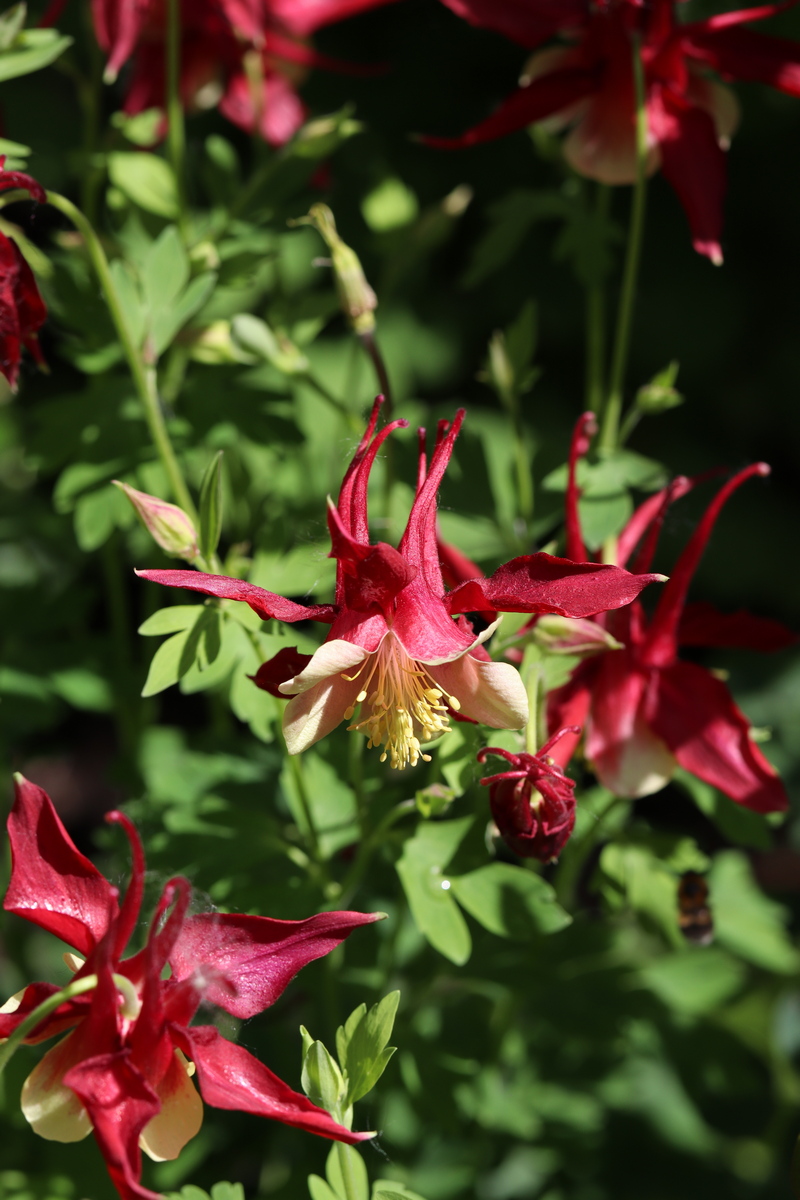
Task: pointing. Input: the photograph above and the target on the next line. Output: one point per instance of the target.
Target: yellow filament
(402, 705)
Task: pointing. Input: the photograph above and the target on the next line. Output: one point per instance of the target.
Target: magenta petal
(521, 20)
(569, 706)
(257, 955)
(119, 1103)
(694, 713)
(52, 883)
(541, 98)
(35, 994)
(702, 624)
(231, 1078)
(372, 574)
(305, 16)
(693, 163)
(540, 583)
(266, 604)
(743, 54)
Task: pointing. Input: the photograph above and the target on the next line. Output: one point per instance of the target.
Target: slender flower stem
(613, 409)
(345, 1154)
(143, 378)
(596, 322)
(87, 984)
(533, 679)
(176, 132)
(367, 848)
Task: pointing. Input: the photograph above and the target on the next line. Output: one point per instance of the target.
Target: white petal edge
(181, 1113)
(331, 659)
(490, 692)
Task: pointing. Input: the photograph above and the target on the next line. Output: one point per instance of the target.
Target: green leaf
(32, 50)
(739, 825)
(165, 271)
(146, 180)
(83, 689)
(361, 1044)
(211, 507)
(421, 868)
(390, 205)
(133, 308)
(174, 657)
(168, 322)
(227, 1191)
(358, 1180)
(696, 980)
(510, 901)
(320, 1190)
(170, 620)
(745, 920)
(11, 23)
(392, 1189)
(321, 1078)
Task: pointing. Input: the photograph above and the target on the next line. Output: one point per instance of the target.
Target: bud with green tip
(356, 297)
(168, 525)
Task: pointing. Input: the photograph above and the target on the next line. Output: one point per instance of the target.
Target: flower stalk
(609, 431)
(77, 988)
(176, 132)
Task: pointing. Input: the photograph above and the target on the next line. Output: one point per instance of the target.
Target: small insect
(694, 914)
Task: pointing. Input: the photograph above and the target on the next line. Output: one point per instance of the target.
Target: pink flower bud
(572, 635)
(168, 525)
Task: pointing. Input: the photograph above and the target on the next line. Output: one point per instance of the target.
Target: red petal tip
(763, 468)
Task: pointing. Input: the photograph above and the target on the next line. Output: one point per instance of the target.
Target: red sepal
(279, 669)
(265, 604)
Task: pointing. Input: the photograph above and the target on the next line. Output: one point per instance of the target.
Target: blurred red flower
(587, 85)
(22, 309)
(123, 1070)
(644, 710)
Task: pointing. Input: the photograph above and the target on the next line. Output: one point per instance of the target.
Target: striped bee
(694, 914)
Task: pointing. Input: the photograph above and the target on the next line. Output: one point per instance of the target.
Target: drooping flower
(533, 803)
(399, 644)
(123, 1070)
(245, 56)
(644, 710)
(22, 309)
(587, 85)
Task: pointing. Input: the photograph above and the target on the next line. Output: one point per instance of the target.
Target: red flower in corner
(533, 803)
(644, 710)
(587, 85)
(22, 310)
(123, 1069)
(398, 646)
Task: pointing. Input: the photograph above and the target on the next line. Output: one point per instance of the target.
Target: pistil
(402, 706)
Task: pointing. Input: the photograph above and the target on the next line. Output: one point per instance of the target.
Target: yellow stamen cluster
(403, 706)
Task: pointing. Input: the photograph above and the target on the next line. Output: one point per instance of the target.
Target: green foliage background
(538, 1056)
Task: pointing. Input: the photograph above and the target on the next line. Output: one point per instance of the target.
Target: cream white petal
(53, 1110)
(181, 1113)
(314, 713)
(331, 659)
(490, 692)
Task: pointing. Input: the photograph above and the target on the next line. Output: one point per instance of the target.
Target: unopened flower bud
(572, 635)
(533, 802)
(356, 297)
(660, 394)
(168, 525)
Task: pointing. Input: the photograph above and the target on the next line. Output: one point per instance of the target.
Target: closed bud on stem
(168, 525)
(356, 297)
(572, 635)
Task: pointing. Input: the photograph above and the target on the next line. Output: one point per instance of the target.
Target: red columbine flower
(245, 56)
(397, 646)
(588, 85)
(123, 1071)
(22, 309)
(533, 804)
(645, 711)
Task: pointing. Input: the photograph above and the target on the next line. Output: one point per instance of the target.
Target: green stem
(15, 1039)
(367, 847)
(352, 1191)
(613, 409)
(334, 402)
(577, 852)
(532, 677)
(176, 132)
(376, 358)
(143, 378)
(596, 322)
(296, 767)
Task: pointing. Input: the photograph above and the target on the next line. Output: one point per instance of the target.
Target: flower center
(401, 705)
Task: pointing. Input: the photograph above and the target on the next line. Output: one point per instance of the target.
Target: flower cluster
(586, 84)
(245, 57)
(400, 646)
(123, 1071)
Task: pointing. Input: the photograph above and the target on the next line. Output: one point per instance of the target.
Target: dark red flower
(123, 1070)
(22, 309)
(587, 85)
(645, 711)
(397, 645)
(245, 56)
(533, 804)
